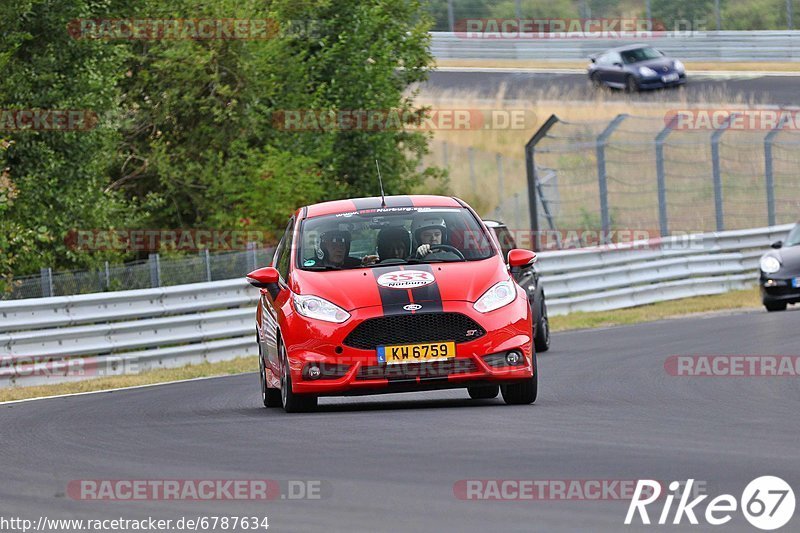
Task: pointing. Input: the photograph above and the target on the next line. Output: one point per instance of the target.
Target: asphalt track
(607, 410)
(748, 88)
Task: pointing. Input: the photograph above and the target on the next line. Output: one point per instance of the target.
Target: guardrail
(722, 46)
(597, 279)
(75, 337)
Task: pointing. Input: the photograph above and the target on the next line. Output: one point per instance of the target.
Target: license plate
(669, 78)
(796, 283)
(416, 353)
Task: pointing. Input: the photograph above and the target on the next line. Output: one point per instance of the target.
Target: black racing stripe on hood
(428, 296)
(392, 300)
(375, 203)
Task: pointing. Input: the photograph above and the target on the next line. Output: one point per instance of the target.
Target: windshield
(391, 236)
(794, 236)
(640, 54)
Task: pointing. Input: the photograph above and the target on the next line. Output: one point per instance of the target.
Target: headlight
(770, 264)
(679, 66)
(647, 72)
(315, 307)
(500, 294)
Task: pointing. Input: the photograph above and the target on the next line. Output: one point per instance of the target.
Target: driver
(334, 247)
(429, 232)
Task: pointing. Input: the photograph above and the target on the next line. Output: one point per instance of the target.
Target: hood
(351, 289)
(658, 65)
(790, 259)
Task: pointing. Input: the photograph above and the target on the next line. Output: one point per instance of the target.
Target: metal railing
(722, 46)
(111, 333)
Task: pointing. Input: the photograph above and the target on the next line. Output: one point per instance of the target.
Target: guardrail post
(155, 270)
(206, 262)
(660, 176)
(717, 171)
(601, 142)
(46, 279)
(530, 170)
(769, 172)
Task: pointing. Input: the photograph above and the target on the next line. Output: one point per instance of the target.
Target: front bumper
(778, 288)
(353, 371)
(659, 83)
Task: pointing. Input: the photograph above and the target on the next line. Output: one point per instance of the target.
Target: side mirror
(264, 278)
(618, 64)
(518, 258)
(777, 244)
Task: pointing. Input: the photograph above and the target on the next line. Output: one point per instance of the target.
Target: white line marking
(122, 388)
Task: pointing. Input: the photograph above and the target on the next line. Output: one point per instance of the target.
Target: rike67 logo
(767, 503)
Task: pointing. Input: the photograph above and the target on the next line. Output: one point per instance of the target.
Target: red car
(406, 293)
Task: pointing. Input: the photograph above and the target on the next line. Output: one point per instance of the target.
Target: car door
(271, 303)
(616, 70)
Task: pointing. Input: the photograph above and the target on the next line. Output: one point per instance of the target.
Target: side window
(283, 256)
(614, 57)
(506, 240)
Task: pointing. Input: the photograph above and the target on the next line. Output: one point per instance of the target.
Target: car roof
(357, 204)
(626, 48)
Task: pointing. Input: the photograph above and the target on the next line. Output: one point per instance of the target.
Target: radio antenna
(380, 181)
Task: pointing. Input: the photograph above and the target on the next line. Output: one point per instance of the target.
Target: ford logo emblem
(412, 307)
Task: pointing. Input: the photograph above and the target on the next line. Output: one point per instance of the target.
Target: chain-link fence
(637, 172)
(153, 272)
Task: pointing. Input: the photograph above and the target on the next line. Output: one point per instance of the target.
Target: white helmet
(424, 222)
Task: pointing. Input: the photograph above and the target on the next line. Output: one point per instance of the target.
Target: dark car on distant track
(634, 68)
(528, 279)
(780, 273)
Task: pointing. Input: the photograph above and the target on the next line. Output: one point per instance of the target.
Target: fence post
(769, 172)
(472, 181)
(660, 177)
(108, 276)
(155, 270)
(530, 171)
(789, 15)
(602, 180)
(500, 184)
(717, 171)
(206, 262)
(46, 280)
(445, 163)
(450, 16)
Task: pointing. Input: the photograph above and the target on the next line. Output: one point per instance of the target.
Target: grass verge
(747, 299)
(225, 368)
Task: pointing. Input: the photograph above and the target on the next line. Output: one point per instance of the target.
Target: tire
(293, 403)
(631, 85)
(775, 306)
(483, 393)
(595, 81)
(541, 340)
(269, 397)
(522, 393)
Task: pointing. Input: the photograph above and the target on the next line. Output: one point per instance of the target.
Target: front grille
(412, 329)
(434, 369)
